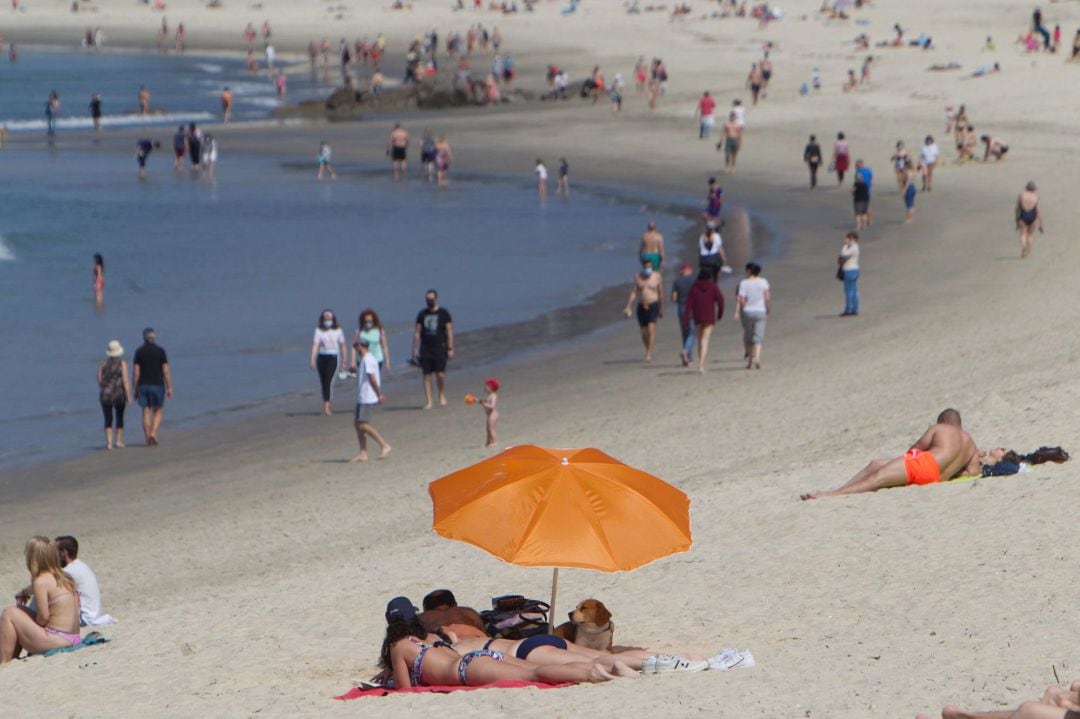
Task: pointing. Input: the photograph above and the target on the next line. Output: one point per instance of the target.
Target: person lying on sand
(416, 658)
(549, 649)
(945, 451)
(1056, 703)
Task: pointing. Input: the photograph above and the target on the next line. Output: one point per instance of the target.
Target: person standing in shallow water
(152, 379)
(99, 279)
(114, 392)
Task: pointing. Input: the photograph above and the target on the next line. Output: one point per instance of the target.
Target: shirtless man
(766, 74)
(732, 141)
(945, 451)
(994, 146)
(396, 148)
(652, 247)
(226, 104)
(650, 287)
(754, 81)
(1028, 214)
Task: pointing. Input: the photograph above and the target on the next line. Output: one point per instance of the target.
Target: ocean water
(233, 274)
(185, 88)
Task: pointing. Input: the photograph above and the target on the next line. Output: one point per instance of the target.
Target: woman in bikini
(53, 623)
(901, 160)
(547, 649)
(416, 658)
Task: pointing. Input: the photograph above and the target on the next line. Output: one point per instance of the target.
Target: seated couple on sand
(944, 452)
(1056, 703)
(418, 652)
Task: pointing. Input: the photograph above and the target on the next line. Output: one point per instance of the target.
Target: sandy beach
(249, 564)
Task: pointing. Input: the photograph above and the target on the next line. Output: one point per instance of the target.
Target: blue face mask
(647, 271)
(328, 324)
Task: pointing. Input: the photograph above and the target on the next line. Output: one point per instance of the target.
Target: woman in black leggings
(327, 352)
(113, 382)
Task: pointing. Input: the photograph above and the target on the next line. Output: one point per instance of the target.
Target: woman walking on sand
(112, 377)
(704, 308)
(841, 157)
(753, 302)
(1028, 215)
(327, 352)
(849, 273)
(371, 329)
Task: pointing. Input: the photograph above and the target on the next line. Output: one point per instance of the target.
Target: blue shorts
(152, 396)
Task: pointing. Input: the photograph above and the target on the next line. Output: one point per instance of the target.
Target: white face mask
(647, 271)
(368, 324)
(327, 323)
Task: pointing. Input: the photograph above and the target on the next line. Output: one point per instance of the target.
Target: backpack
(512, 616)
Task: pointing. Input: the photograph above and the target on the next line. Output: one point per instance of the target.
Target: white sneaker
(665, 664)
(729, 659)
(648, 666)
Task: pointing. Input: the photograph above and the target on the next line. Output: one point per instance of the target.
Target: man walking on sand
(652, 247)
(945, 451)
(397, 147)
(650, 287)
(433, 345)
(152, 380)
(370, 395)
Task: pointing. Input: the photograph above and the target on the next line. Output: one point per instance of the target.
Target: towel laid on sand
(89, 640)
(383, 691)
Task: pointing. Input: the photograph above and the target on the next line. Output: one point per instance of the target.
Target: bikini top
(416, 671)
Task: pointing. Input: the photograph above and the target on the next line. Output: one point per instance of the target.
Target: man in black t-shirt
(433, 345)
(152, 381)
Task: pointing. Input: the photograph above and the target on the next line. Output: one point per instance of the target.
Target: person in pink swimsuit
(53, 622)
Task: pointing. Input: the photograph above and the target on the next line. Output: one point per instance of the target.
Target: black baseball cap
(400, 608)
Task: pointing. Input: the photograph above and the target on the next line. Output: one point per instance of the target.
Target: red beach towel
(506, 684)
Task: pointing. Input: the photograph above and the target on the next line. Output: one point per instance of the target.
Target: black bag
(512, 616)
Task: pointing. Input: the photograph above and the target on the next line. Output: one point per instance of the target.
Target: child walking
(325, 159)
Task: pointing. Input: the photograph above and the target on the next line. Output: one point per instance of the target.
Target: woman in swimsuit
(901, 160)
(1028, 215)
(547, 649)
(53, 623)
(99, 279)
(443, 157)
(416, 658)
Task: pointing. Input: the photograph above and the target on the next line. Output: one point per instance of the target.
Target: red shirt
(704, 299)
(706, 105)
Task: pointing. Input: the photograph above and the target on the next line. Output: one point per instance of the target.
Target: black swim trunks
(397, 154)
(648, 315)
(431, 365)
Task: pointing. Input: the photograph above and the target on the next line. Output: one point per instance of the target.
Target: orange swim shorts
(921, 467)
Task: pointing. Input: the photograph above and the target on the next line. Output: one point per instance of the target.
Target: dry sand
(249, 565)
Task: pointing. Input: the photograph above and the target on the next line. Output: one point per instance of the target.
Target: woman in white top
(753, 302)
(849, 270)
(928, 158)
(327, 350)
(711, 255)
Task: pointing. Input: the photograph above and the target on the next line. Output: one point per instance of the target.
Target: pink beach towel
(506, 684)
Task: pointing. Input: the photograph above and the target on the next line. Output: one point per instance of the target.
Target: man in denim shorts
(152, 381)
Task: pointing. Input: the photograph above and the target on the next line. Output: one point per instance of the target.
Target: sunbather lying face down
(416, 658)
(945, 451)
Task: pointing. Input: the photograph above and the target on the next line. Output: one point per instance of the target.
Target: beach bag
(512, 616)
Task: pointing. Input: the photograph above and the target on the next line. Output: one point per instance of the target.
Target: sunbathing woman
(416, 658)
(549, 649)
(1056, 703)
(54, 622)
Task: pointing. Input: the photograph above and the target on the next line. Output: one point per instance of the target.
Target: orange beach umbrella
(534, 506)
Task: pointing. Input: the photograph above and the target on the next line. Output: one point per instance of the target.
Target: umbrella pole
(554, 593)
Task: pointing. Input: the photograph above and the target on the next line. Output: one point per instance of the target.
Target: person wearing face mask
(371, 329)
(327, 350)
(433, 345)
(650, 308)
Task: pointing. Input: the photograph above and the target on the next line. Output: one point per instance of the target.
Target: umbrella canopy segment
(534, 506)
